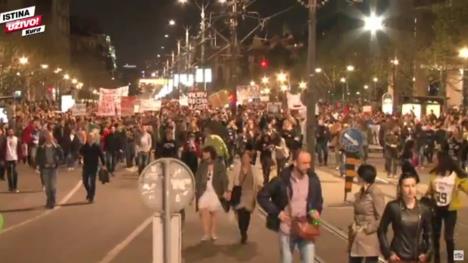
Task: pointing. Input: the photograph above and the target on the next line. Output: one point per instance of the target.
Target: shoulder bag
(301, 227)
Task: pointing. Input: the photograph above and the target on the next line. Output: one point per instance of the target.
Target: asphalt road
(117, 227)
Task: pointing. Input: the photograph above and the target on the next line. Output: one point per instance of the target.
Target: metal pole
(167, 213)
(202, 59)
(312, 96)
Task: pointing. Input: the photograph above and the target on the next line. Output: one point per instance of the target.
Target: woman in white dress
(211, 186)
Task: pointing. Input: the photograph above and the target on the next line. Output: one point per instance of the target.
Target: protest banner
(198, 100)
(79, 109)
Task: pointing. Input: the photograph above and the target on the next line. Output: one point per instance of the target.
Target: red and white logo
(23, 24)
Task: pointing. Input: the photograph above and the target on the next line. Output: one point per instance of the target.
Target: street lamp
(66, 76)
(350, 68)
(265, 80)
(366, 87)
(463, 53)
(281, 77)
(74, 81)
(172, 22)
(302, 85)
(343, 80)
(166, 36)
(44, 66)
(318, 70)
(252, 83)
(23, 60)
(182, 1)
(373, 23)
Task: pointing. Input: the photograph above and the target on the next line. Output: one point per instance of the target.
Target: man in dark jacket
(91, 153)
(48, 158)
(296, 193)
(71, 147)
(113, 147)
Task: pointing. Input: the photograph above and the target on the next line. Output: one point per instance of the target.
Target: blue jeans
(71, 160)
(142, 160)
(111, 161)
(50, 181)
(89, 183)
(288, 244)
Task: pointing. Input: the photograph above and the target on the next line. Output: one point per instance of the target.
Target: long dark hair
(446, 165)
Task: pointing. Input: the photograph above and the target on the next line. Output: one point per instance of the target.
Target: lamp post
(463, 54)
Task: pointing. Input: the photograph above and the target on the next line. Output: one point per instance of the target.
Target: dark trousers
(449, 218)
(266, 168)
(280, 163)
(89, 183)
(130, 154)
(322, 152)
(243, 220)
(363, 259)
(2, 171)
(111, 161)
(12, 175)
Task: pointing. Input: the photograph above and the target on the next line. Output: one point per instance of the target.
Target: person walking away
(48, 158)
(211, 185)
(190, 153)
(446, 182)
(391, 141)
(217, 143)
(411, 223)
(3, 142)
(143, 149)
(369, 205)
(12, 155)
(130, 146)
(281, 153)
(168, 148)
(322, 136)
(112, 149)
(71, 147)
(91, 153)
(244, 178)
(296, 193)
(266, 147)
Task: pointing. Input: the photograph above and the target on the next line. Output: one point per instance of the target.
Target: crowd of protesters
(210, 140)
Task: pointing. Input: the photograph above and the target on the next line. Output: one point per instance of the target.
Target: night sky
(137, 27)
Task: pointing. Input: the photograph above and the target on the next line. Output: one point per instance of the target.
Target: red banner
(21, 24)
(128, 105)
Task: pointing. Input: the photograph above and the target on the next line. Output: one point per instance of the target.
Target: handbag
(301, 227)
(103, 176)
(237, 193)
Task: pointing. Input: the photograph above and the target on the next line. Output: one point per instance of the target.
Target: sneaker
(214, 237)
(205, 238)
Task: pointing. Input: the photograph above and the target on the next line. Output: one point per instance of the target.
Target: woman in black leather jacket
(411, 224)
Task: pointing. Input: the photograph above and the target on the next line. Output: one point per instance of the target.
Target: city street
(117, 227)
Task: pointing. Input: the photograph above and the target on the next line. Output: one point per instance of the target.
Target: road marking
(63, 201)
(122, 245)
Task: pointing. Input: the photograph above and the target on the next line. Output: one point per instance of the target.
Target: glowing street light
(66, 76)
(23, 60)
(373, 23)
(58, 70)
(222, 1)
(395, 61)
(366, 87)
(265, 80)
(44, 66)
(172, 22)
(74, 81)
(252, 83)
(182, 1)
(343, 80)
(463, 53)
(281, 77)
(350, 68)
(318, 70)
(284, 88)
(375, 79)
(166, 36)
(266, 91)
(302, 85)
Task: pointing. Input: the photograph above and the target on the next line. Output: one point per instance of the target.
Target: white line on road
(63, 201)
(122, 245)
